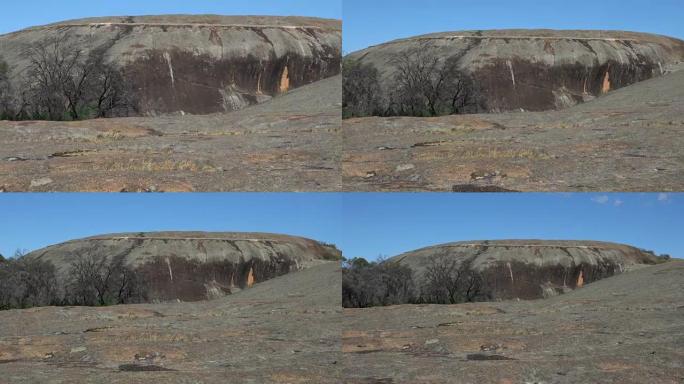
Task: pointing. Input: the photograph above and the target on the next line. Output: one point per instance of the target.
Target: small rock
(78, 349)
(404, 167)
(431, 341)
(41, 182)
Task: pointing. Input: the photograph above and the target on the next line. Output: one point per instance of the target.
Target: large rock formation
(193, 265)
(529, 269)
(538, 69)
(197, 64)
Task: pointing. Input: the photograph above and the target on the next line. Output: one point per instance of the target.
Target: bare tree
(64, 82)
(427, 85)
(100, 281)
(450, 280)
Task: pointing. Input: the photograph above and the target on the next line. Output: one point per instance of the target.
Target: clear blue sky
(32, 221)
(19, 14)
(370, 22)
(361, 224)
(389, 224)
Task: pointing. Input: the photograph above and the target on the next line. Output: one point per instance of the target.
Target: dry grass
(152, 165)
(483, 153)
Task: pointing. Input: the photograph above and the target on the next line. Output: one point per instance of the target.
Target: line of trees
(446, 280)
(61, 82)
(26, 283)
(423, 84)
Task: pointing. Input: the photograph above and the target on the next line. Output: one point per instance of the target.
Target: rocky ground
(627, 140)
(291, 143)
(285, 330)
(624, 329)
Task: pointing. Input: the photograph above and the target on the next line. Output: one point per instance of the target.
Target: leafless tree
(65, 82)
(427, 85)
(450, 280)
(100, 281)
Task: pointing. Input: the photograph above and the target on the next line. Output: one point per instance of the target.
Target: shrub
(447, 280)
(360, 89)
(367, 284)
(27, 283)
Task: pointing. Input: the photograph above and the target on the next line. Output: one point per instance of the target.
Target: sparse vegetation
(103, 282)
(360, 89)
(5, 89)
(447, 280)
(426, 85)
(26, 283)
(63, 83)
(367, 284)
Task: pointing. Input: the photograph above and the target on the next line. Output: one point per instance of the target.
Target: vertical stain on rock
(168, 263)
(168, 61)
(580, 280)
(510, 68)
(284, 81)
(250, 277)
(605, 87)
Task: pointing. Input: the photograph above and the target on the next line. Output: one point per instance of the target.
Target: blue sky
(389, 224)
(361, 224)
(370, 22)
(32, 221)
(25, 13)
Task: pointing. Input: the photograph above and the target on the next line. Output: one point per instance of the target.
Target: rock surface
(285, 330)
(626, 140)
(536, 70)
(290, 143)
(623, 329)
(193, 265)
(198, 64)
(531, 269)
